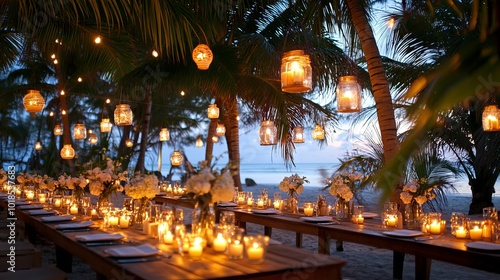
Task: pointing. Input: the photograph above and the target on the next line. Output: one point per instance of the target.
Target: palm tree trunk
(210, 143)
(148, 103)
(233, 140)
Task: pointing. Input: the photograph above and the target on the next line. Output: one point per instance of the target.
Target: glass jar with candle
(29, 192)
(255, 247)
(250, 199)
(322, 206)
(227, 219)
(195, 247)
(490, 216)
(358, 218)
(235, 243)
(390, 215)
(220, 242)
(241, 198)
(308, 209)
(125, 218)
(476, 230)
(433, 224)
(495, 232)
(57, 200)
(73, 208)
(459, 222)
(42, 198)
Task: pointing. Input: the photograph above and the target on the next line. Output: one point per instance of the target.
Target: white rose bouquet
(142, 186)
(293, 184)
(418, 191)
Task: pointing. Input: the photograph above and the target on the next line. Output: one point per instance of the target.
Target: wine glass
(85, 202)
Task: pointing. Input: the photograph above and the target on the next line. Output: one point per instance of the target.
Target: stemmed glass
(85, 202)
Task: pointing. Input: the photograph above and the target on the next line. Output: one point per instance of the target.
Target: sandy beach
(363, 262)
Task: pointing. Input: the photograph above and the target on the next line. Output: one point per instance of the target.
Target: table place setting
(269, 211)
(41, 212)
(483, 246)
(77, 225)
(405, 233)
(58, 218)
(99, 237)
(30, 206)
(317, 219)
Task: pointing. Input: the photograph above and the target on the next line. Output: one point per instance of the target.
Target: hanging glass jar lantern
(491, 118)
(129, 143)
(348, 95)
(38, 146)
(296, 72)
(298, 134)
(106, 125)
(268, 133)
(123, 115)
(176, 158)
(79, 131)
(220, 130)
(213, 111)
(67, 152)
(199, 142)
(164, 134)
(318, 133)
(93, 138)
(33, 101)
(215, 139)
(202, 56)
(58, 130)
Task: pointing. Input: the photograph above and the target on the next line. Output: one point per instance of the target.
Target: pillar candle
(476, 233)
(73, 209)
(255, 252)
(460, 233)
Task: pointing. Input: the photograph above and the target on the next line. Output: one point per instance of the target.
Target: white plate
(369, 215)
(61, 218)
(265, 211)
(480, 245)
(30, 207)
(144, 250)
(41, 212)
(99, 237)
(75, 225)
(403, 233)
(318, 219)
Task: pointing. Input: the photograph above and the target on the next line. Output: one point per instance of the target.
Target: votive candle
(57, 202)
(391, 221)
(168, 237)
(30, 195)
(124, 221)
(235, 250)
(255, 252)
(460, 232)
(476, 233)
(435, 227)
(73, 209)
(308, 211)
(219, 243)
(42, 197)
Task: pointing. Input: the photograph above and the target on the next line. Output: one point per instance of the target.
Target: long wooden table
(281, 261)
(446, 248)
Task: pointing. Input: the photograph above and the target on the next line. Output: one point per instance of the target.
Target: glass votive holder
(112, 218)
(57, 201)
(255, 247)
(476, 230)
(195, 248)
(308, 209)
(390, 220)
(18, 191)
(277, 204)
(180, 236)
(30, 195)
(457, 220)
(125, 219)
(227, 219)
(261, 201)
(249, 199)
(495, 232)
(42, 198)
(433, 223)
(241, 198)
(490, 213)
(357, 216)
(73, 208)
(235, 243)
(219, 243)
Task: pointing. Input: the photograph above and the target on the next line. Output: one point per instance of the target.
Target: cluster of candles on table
(487, 229)
(170, 190)
(114, 217)
(262, 201)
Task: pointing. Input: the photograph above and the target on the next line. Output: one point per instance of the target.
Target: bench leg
(324, 241)
(298, 240)
(268, 231)
(339, 246)
(422, 268)
(64, 260)
(397, 265)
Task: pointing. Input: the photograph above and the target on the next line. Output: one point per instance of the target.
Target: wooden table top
(280, 260)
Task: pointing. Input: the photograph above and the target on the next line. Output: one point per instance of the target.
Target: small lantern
(164, 134)
(58, 130)
(38, 146)
(215, 139)
(129, 143)
(296, 72)
(220, 130)
(348, 95)
(318, 133)
(79, 131)
(298, 134)
(491, 117)
(93, 138)
(213, 111)
(33, 101)
(106, 125)
(199, 142)
(123, 115)
(202, 56)
(268, 133)
(67, 152)
(176, 158)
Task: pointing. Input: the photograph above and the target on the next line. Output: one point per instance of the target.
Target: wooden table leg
(298, 240)
(31, 233)
(268, 231)
(242, 225)
(397, 265)
(339, 246)
(64, 260)
(324, 241)
(422, 268)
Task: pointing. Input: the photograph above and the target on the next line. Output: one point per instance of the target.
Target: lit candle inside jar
(276, 204)
(260, 203)
(435, 227)
(255, 252)
(250, 202)
(196, 248)
(476, 233)
(391, 221)
(93, 213)
(30, 195)
(113, 221)
(241, 200)
(57, 202)
(168, 237)
(73, 209)
(220, 243)
(461, 233)
(486, 230)
(360, 219)
(236, 249)
(42, 197)
(308, 211)
(124, 222)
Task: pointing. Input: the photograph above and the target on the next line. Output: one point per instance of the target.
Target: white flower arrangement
(418, 191)
(344, 184)
(293, 183)
(142, 186)
(105, 181)
(210, 186)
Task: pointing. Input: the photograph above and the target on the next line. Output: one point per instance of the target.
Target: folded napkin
(99, 237)
(227, 204)
(144, 250)
(21, 202)
(41, 212)
(75, 225)
(32, 206)
(58, 218)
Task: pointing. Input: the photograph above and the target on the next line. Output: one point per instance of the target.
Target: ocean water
(273, 173)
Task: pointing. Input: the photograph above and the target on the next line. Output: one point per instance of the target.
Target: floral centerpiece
(142, 188)
(207, 187)
(104, 182)
(293, 185)
(75, 184)
(414, 195)
(343, 186)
